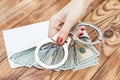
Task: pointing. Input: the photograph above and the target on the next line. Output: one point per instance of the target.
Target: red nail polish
(82, 28)
(80, 34)
(59, 40)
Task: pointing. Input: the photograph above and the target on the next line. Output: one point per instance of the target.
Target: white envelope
(20, 39)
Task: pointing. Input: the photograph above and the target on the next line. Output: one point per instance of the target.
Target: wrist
(84, 2)
(82, 5)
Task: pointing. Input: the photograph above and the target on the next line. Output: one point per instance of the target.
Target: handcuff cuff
(66, 44)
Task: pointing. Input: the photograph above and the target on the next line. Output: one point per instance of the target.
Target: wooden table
(103, 13)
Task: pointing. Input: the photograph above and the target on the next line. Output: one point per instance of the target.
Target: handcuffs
(66, 44)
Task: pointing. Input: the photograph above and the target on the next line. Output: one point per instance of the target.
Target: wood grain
(103, 13)
(6, 73)
(111, 69)
(34, 74)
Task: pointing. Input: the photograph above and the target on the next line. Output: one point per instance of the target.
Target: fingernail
(59, 40)
(80, 34)
(82, 28)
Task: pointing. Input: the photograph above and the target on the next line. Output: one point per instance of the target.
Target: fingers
(64, 32)
(53, 27)
(80, 31)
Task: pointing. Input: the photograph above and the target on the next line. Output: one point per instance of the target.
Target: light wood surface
(103, 13)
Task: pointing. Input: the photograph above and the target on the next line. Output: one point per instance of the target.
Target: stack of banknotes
(80, 56)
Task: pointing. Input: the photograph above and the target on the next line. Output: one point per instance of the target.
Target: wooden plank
(39, 74)
(35, 14)
(2, 48)
(107, 17)
(111, 69)
(7, 5)
(12, 7)
(41, 14)
(18, 12)
(3, 2)
(92, 6)
(6, 73)
(56, 74)
(2, 54)
(35, 74)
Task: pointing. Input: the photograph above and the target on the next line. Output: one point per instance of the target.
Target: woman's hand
(68, 16)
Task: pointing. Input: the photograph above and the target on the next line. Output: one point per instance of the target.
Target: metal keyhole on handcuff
(65, 45)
